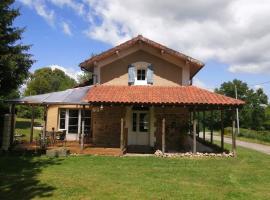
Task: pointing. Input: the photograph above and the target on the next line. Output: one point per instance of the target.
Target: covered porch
(161, 118)
(136, 119)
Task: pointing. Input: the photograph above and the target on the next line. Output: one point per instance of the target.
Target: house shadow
(19, 177)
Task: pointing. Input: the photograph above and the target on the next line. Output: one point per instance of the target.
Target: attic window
(141, 74)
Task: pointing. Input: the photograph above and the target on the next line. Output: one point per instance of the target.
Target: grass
(101, 177)
(23, 126)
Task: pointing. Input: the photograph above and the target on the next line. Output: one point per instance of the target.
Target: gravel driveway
(254, 146)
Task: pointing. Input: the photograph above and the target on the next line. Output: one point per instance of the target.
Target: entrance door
(139, 134)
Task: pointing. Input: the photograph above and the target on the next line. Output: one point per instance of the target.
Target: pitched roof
(176, 95)
(90, 62)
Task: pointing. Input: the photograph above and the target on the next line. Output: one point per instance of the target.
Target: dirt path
(257, 147)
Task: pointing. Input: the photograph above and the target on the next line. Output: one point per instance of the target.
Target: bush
(258, 135)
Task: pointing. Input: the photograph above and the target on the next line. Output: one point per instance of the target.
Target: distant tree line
(255, 114)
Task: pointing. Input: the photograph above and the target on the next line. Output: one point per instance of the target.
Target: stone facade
(107, 125)
(176, 127)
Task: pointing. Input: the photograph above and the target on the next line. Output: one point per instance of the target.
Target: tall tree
(252, 115)
(46, 80)
(14, 59)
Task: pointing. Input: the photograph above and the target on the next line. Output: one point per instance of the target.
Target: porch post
(12, 111)
(204, 125)
(122, 146)
(82, 128)
(194, 134)
(45, 126)
(163, 136)
(190, 122)
(222, 129)
(233, 138)
(211, 127)
(32, 125)
(198, 122)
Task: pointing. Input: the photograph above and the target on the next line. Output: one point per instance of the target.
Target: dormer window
(140, 73)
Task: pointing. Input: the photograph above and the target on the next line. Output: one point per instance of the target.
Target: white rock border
(159, 153)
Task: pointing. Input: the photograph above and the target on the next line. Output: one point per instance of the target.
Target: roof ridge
(133, 41)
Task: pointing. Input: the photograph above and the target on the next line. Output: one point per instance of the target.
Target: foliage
(267, 116)
(252, 115)
(14, 60)
(46, 80)
(85, 78)
(42, 81)
(263, 136)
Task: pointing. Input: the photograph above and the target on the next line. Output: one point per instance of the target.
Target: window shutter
(150, 74)
(131, 74)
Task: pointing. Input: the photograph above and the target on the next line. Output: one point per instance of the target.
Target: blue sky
(66, 32)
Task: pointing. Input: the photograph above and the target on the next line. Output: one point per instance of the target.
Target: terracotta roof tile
(177, 95)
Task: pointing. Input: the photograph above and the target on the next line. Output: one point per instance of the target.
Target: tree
(14, 59)
(252, 115)
(46, 80)
(42, 81)
(85, 78)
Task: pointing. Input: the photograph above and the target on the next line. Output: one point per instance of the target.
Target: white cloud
(73, 4)
(256, 87)
(197, 82)
(68, 71)
(42, 10)
(66, 28)
(235, 32)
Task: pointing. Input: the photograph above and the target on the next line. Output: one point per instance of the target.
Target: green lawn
(23, 127)
(100, 177)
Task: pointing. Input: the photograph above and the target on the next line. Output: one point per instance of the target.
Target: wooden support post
(211, 127)
(163, 136)
(190, 122)
(194, 135)
(198, 124)
(44, 127)
(32, 125)
(122, 145)
(82, 127)
(12, 125)
(204, 125)
(233, 139)
(222, 129)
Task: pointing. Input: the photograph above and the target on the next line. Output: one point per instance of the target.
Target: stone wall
(107, 126)
(176, 124)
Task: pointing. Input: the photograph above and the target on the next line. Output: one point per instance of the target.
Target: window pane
(143, 122)
(62, 123)
(73, 121)
(73, 129)
(62, 113)
(134, 122)
(73, 113)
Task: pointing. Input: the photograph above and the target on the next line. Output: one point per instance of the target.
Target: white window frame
(139, 66)
(67, 119)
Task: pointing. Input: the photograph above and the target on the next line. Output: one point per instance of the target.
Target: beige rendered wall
(165, 73)
(52, 115)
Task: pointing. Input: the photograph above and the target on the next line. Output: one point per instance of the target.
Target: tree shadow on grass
(25, 124)
(19, 177)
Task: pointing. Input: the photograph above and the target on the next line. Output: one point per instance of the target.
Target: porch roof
(159, 95)
(69, 96)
